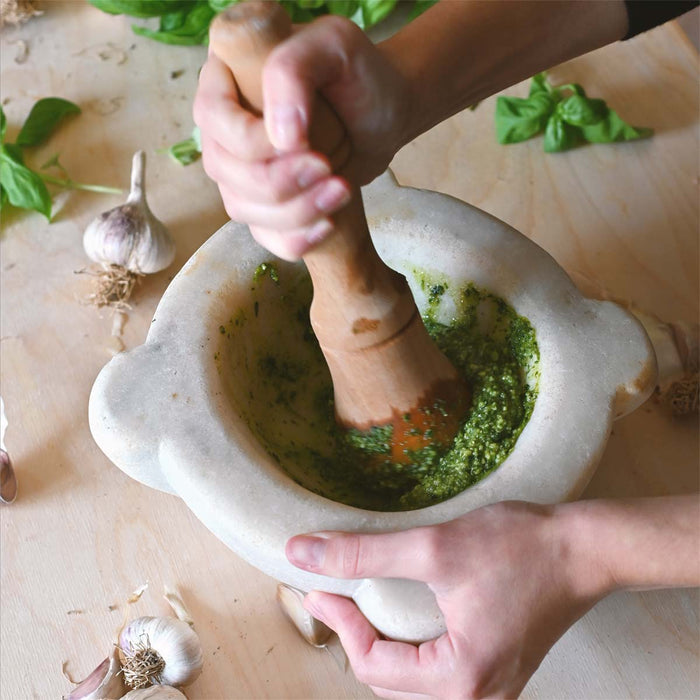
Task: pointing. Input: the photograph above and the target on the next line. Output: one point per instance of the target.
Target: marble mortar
(168, 414)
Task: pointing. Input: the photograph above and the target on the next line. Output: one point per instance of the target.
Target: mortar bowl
(173, 412)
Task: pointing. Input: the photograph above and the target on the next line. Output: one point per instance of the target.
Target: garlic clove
(129, 235)
(160, 651)
(8, 480)
(291, 601)
(155, 692)
(104, 683)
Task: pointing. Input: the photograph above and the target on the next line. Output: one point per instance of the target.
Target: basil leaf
(197, 138)
(22, 187)
(298, 14)
(3, 125)
(184, 28)
(187, 151)
(572, 87)
(559, 136)
(612, 128)
(374, 11)
(582, 111)
(14, 152)
(539, 84)
(518, 119)
(221, 5)
(419, 7)
(345, 8)
(311, 4)
(43, 119)
(141, 8)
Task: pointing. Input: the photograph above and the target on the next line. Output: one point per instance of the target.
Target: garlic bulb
(130, 236)
(104, 683)
(160, 651)
(291, 601)
(155, 692)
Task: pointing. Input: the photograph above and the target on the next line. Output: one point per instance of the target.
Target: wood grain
(81, 535)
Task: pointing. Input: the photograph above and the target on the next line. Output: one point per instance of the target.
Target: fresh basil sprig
(186, 22)
(20, 185)
(565, 113)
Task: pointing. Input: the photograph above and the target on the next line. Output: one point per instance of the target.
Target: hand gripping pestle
(384, 366)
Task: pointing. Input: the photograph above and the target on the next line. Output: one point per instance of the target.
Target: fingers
(292, 245)
(391, 666)
(414, 554)
(298, 212)
(265, 181)
(295, 71)
(217, 112)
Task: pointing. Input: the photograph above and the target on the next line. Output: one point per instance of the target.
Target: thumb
(408, 554)
(293, 73)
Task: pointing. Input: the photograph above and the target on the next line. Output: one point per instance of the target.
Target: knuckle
(231, 206)
(347, 559)
(269, 179)
(210, 164)
(339, 27)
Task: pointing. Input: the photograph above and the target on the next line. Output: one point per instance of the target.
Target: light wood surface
(81, 535)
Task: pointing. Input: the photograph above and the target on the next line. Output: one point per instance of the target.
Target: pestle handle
(382, 361)
(358, 300)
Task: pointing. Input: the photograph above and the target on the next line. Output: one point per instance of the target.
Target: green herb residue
(289, 400)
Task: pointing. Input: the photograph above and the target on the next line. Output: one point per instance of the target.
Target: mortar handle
(358, 301)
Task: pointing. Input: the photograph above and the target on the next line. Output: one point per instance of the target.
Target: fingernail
(332, 196)
(306, 552)
(319, 231)
(311, 170)
(288, 128)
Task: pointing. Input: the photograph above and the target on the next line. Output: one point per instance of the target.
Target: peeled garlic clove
(291, 601)
(160, 651)
(130, 236)
(104, 683)
(155, 692)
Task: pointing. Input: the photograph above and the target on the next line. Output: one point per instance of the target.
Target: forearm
(461, 51)
(633, 543)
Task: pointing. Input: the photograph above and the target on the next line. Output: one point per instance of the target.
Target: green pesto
(291, 397)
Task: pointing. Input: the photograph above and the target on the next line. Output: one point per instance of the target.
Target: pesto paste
(288, 398)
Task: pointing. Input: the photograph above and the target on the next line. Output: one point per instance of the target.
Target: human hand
(267, 175)
(507, 578)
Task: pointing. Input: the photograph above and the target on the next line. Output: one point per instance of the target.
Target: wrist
(586, 559)
(411, 114)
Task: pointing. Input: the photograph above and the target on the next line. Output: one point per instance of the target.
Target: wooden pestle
(384, 366)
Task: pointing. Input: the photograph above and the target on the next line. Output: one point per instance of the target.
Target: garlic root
(160, 651)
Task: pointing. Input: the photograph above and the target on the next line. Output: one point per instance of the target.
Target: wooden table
(81, 535)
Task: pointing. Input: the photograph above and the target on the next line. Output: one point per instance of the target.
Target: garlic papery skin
(130, 236)
(155, 692)
(160, 651)
(104, 683)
